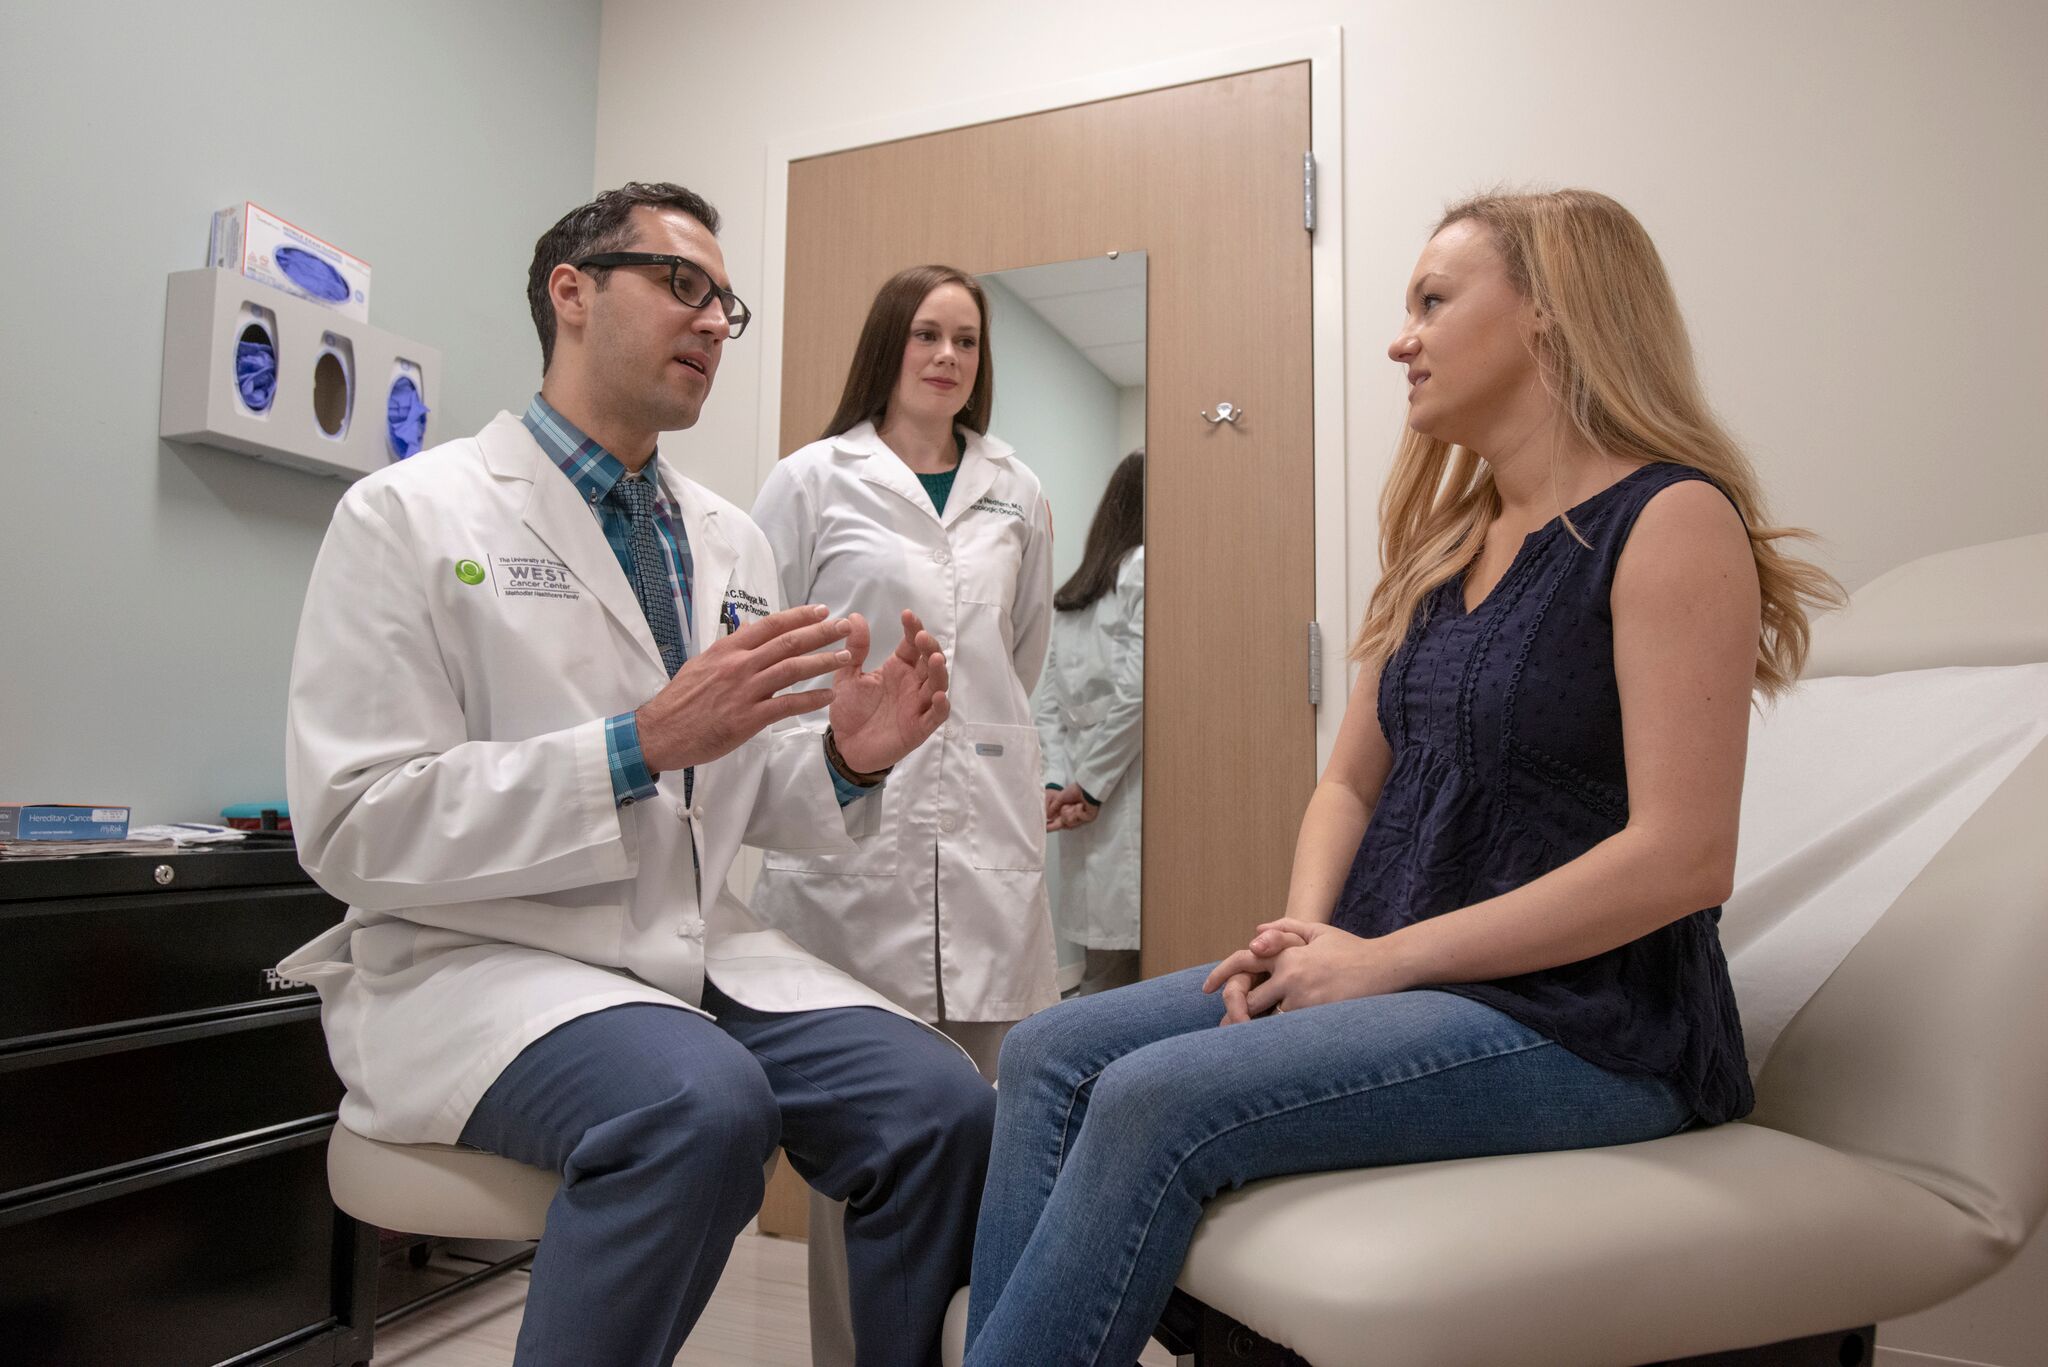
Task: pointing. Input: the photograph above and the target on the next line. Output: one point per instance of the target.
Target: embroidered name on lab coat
(753, 604)
(990, 504)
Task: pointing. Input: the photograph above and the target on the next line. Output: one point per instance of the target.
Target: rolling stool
(443, 1190)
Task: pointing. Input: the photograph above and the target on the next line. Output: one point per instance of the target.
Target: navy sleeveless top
(1505, 726)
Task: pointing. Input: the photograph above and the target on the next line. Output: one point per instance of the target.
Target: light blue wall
(152, 592)
(1059, 411)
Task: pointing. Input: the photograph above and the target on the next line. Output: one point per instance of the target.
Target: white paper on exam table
(1853, 786)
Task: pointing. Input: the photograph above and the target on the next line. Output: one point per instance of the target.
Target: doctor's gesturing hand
(880, 716)
(733, 690)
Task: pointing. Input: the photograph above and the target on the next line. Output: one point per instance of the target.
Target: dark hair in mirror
(878, 356)
(603, 225)
(1119, 526)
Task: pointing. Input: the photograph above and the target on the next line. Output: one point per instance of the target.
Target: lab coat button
(946, 823)
(697, 812)
(940, 557)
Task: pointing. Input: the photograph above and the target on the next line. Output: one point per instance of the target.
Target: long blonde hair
(1616, 358)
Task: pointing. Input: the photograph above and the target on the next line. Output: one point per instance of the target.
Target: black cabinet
(165, 1102)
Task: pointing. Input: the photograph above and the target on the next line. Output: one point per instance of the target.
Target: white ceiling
(1098, 304)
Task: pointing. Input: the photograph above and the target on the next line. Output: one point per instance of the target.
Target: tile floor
(757, 1318)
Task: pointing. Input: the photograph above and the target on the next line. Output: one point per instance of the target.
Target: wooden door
(1207, 179)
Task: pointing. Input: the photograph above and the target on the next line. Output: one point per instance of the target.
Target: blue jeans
(660, 1122)
(1118, 1115)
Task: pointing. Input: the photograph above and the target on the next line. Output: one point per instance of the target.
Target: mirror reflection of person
(1091, 723)
(1500, 932)
(907, 502)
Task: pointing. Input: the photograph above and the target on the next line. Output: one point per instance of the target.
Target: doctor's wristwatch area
(268, 350)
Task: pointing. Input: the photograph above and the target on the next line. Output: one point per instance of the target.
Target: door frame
(1323, 49)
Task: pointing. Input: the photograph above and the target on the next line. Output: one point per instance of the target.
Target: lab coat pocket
(878, 856)
(586, 924)
(1005, 813)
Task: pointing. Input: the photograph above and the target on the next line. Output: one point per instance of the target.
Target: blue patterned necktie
(651, 584)
(650, 570)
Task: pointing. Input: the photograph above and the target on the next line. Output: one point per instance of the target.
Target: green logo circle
(469, 572)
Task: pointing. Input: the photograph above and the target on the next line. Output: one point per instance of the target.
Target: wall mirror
(1069, 343)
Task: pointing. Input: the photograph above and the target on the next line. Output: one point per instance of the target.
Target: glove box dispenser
(252, 369)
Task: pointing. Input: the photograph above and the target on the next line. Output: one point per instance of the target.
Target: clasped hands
(1291, 964)
(732, 691)
(1067, 808)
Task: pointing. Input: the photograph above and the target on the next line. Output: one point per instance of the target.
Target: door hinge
(1308, 192)
(1315, 664)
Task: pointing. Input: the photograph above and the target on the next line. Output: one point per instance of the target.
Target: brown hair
(603, 225)
(1119, 526)
(1617, 360)
(878, 356)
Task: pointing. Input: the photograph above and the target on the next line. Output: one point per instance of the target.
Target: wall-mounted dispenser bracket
(327, 414)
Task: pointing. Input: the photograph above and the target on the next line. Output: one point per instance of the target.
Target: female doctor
(907, 502)
(1091, 722)
(944, 910)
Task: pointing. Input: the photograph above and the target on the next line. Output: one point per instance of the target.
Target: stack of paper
(184, 833)
(65, 849)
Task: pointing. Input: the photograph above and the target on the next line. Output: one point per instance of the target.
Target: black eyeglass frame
(737, 314)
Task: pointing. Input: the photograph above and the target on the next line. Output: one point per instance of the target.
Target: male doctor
(533, 716)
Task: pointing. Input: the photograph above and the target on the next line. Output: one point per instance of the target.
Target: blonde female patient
(1500, 931)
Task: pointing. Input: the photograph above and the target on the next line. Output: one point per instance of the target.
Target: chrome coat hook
(1225, 412)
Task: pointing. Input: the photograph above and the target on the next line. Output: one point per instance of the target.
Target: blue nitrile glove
(256, 374)
(311, 274)
(405, 416)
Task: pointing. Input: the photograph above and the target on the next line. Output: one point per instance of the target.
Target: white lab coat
(1091, 720)
(951, 893)
(447, 771)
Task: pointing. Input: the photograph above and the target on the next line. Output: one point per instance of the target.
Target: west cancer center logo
(520, 576)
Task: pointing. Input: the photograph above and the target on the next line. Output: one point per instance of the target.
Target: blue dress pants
(660, 1122)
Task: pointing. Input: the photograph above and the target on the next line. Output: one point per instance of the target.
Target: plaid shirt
(594, 470)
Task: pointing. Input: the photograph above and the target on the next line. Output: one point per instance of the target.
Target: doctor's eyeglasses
(686, 280)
